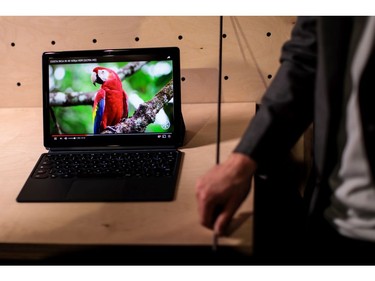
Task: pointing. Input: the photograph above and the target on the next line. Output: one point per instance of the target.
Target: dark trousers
(324, 245)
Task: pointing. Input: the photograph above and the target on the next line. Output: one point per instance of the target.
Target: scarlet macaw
(110, 103)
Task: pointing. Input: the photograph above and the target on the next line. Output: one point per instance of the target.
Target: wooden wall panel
(251, 51)
(24, 39)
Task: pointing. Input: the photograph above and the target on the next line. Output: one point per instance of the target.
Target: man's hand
(221, 191)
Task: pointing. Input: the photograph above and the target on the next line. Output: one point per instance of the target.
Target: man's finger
(223, 220)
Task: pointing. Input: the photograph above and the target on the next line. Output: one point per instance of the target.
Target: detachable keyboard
(107, 164)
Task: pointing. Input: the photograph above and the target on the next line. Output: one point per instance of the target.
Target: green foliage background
(68, 78)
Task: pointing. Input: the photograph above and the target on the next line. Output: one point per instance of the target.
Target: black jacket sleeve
(287, 106)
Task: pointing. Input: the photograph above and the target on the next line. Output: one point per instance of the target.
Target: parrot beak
(94, 78)
(99, 76)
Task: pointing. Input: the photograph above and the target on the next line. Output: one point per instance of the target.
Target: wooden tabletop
(159, 223)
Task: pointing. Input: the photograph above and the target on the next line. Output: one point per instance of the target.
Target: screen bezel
(117, 140)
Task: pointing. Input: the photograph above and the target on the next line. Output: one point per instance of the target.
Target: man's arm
(286, 112)
(287, 106)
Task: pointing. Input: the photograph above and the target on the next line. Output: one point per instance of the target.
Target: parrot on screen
(110, 102)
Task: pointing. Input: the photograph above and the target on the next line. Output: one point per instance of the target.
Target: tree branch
(144, 115)
(71, 99)
(80, 98)
(130, 69)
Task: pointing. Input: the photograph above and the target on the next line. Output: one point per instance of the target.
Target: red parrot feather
(110, 103)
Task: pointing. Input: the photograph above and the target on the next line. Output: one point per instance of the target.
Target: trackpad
(96, 190)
